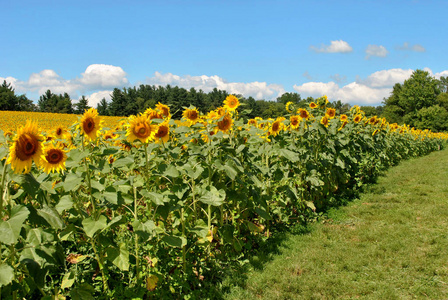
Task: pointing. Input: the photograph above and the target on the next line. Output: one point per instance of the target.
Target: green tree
(82, 105)
(10, 101)
(53, 103)
(102, 107)
(434, 118)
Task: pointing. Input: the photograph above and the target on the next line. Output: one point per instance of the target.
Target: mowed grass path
(392, 243)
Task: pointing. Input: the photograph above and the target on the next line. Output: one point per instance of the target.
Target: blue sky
(354, 51)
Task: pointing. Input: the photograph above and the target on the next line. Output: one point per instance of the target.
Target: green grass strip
(391, 243)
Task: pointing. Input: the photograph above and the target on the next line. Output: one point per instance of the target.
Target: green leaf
(119, 256)
(310, 205)
(67, 232)
(10, 230)
(263, 213)
(288, 154)
(200, 229)
(212, 196)
(6, 274)
(68, 280)
(71, 181)
(155, 198)
(82, 292)
(230, 170)
(97, 185)
(65, 203)
(34, 237)
(92, 226)
(171, 171)
(123, 162)
(51, 216)
(174, 241)
(28, 183)
(111, 197)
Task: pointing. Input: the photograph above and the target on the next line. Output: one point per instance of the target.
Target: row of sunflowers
(148, 206)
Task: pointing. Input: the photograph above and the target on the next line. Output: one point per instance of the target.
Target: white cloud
(407, 47)
(375, 50)
(103, 76)
(335, 47)
(10, 80)
(338, 78)
(258, 90)
(386, 78)
(95, 98)
(368, 91)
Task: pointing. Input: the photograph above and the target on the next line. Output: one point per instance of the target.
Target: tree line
(421, 101)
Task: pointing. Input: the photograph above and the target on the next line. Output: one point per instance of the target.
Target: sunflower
(53, 158)
(303, 113)
(153, 114)
(191, 115)
(325, 121)
(357, 118)
(164, 110)
(163, 133)
(343, 125)
(375, 132)
(206, 135)
(343, 118)
(90, 124)
(26, 148)
(231, 102)
(288, 106)
(276, 127)
(313, 105)
(331, 112)
(372, 120)
(140, 128)
(294, 121)
(225, 124)
(61, 133)
(252, 122)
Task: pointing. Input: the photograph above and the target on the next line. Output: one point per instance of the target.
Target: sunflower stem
(137, 257)
(2, 186)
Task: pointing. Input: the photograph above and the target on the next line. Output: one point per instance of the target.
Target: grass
(391, 243)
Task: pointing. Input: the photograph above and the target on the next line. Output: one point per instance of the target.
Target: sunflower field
(148, 207)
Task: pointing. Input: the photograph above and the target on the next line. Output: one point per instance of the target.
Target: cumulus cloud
(95, 98)
(375, 50)
(96, 77)
(258, 90)
(407, 47)
(368, 91)
(103, 76)
(339, 46)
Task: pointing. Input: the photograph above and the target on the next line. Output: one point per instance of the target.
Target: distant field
(11, 120)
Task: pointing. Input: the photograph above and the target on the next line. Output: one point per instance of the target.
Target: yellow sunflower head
(303, 113)
(231, 102)
(276, 127)
(90, 124)
(294, 121)
(313, 105)
(289, 107)
(225, 124)
(331, 112)
(343, 118)
(61, 132)
(140, 128)
(357, 119)
(252, 122)
(26, 148)
(325, 121)
(164, 110)
(372, 120)
(163, 133)
(53, 158)
(206, 135)
(191, 115)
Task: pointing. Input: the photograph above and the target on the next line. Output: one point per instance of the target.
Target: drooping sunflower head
(26, 148)
(164, 110)
(303, 113)
(289, 107)
(90, 124)
(163, 133)
(313, 105)
(343, 118)
(225, 124)
(61, 132)
(191, 115)
(343, 125)
(325, 121)
(231, 102)
(357, 119)
(294, 121)
(375, 132)
(53, 158)
(206, 135)
(331, 112)
(140, 128)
